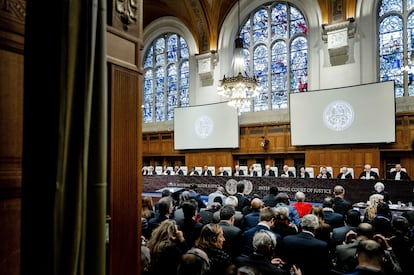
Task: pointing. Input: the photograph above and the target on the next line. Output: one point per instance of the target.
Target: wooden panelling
(11, 129)
(10, 223)
(11, 104)
(124, 187)
(279, 146)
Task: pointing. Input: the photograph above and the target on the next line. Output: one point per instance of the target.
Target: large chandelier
(239, 89)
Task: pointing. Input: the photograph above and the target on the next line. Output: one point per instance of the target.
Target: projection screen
(206, 127)
(349, 115)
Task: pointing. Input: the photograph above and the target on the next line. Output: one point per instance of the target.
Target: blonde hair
(147, 207)
(208, 236)
(371, 210)
(162, 236)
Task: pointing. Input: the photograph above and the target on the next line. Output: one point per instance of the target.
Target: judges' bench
(315, 189)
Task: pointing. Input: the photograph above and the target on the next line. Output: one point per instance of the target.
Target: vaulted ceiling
(204, 18)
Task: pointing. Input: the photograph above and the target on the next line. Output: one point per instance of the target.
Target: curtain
(65, 138)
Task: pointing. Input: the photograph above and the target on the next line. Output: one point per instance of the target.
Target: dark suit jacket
(225, 173)
(179, 172)
(234, 239)
(241, 173)
(333, 219)
(347, 176)
(242, 202)
(341, 206)
(403, 175)
(371, 174)
(254, 174)
(310, 254)
(271, 173)
(251, 220)
(206, 173)
(345, 257)
(288, 173)
(306, 175)
(339, 233)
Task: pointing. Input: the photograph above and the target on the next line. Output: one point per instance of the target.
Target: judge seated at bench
(368, 174)
(398, 173)
(344, 174)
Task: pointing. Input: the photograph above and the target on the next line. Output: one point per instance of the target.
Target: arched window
(166, 77)
(396, 44)
(276, 51)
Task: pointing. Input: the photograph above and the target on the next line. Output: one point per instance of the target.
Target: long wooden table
(315, 189)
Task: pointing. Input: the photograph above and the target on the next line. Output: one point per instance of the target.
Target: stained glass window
(396, 44)
(166, 78)
(275, 37)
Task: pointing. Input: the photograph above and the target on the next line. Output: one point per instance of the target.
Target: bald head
(256, 203)
(339, 190)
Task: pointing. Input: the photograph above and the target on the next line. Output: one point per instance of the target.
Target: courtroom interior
(107, 102)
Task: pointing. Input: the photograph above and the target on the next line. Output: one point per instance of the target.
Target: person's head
(374, 199)
(194, 262)
(237, 167)
(339, 190)
(300, 196)
(328, 202)
(221, 169)
(344, 170)
(400, 226)
(398, 167)
(227, 212)
(379, 187)
(274, 190)
(218, 200)
(365, 231)
(184, 196)
(205, 167)
(266, 214)
(147, 202)
(189, 209)
(324, 170)
(353, 217)
(264, 243)
(165, 206)
(318, 212)
(256, 204)
(302, 169)
(211, 236)
(285, 168)
(281, 213)
(166, 193)
(165, 233)
(240, 187)
(367, 167)
(282, 198)
(370, 254)
(267, 167)
(232, 200)
(310, 222)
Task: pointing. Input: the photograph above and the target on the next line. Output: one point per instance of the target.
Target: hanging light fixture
(239, 89)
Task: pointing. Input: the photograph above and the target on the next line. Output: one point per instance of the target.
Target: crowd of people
(398, 173)
(273, 234)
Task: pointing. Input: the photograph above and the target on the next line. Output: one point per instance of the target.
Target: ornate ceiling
(204, 18)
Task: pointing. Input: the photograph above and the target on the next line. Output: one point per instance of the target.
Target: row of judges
(398, 173)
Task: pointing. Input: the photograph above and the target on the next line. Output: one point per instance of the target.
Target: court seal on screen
(338, 115)
(203, 127)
